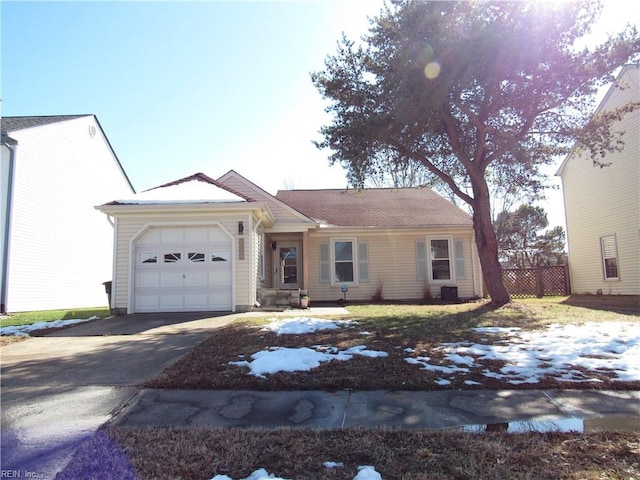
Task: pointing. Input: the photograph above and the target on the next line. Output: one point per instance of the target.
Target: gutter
(12, 145)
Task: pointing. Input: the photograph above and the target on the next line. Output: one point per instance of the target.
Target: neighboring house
(602, 204)
(199, 244)
(56, 250)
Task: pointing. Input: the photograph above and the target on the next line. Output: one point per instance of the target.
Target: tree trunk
(487, 244)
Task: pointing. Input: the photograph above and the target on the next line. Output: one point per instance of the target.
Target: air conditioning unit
(449, 294)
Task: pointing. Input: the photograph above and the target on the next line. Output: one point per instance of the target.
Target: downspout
(255, 281)
(12, 145)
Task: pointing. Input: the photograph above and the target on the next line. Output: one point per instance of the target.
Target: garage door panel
(183, 269)
(147, 279)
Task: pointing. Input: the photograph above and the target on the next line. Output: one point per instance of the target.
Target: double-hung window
(609, 257)
(440, 264)
(344, 261)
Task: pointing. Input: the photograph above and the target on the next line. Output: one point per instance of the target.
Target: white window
(440, 259)
(609, 257)
(344, 261)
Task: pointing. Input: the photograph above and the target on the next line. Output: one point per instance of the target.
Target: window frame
(354, 260)
(604, 257)
(450, 259)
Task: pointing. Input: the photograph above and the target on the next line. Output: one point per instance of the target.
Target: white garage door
(183, 269)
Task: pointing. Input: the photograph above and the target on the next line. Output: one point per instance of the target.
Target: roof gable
(283, 212)
(627, 79)
(376, 207)
(196, 188)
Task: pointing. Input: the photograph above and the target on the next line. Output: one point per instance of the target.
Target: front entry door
(288, 265)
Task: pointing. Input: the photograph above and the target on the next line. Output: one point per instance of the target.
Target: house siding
(392, 266)
(243, 269)
(602, 202)
(61, 247)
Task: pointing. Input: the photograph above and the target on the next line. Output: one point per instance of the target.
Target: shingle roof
(376, 207)
(11, 124)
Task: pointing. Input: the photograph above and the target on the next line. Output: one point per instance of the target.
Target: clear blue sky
(185, 87)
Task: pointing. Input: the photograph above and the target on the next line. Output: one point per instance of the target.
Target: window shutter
(458, 250)
(363, 262)
(421, 260)
(325, 264)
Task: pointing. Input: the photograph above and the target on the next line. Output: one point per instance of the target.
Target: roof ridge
(199, 176)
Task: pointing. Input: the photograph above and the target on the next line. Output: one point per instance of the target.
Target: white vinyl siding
(61, 246)
(600, 202)
(391, 266)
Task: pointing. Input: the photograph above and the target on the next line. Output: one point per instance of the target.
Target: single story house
(199, 244)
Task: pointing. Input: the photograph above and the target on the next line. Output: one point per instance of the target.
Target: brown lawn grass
(299, 454)
(391, 328)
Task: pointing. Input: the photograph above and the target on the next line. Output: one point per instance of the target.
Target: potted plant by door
(304, 301)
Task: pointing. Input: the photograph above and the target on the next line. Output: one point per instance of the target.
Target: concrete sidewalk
(559, 410)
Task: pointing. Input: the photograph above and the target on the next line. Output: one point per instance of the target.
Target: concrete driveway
(56, 390)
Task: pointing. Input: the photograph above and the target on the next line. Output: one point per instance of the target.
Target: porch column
(305, 260)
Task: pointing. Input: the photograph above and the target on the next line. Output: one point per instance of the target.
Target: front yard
(425, 347)
(546, 343)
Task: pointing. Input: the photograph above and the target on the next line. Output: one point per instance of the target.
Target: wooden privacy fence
(537, 282)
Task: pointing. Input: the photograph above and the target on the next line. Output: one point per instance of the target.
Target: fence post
(539, 282)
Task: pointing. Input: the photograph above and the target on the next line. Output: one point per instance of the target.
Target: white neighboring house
(56, 249)
(602, 205)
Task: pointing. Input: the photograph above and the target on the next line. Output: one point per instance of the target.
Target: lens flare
(432, 70)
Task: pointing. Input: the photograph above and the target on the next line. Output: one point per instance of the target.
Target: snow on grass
(364, 473)
(24, 330)
(559, 351)
(303, 359)
(301, 325)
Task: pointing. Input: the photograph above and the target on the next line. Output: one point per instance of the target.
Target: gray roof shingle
(376, 207)
(11, 124)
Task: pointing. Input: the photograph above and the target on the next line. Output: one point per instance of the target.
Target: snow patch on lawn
(303, 359)
(559, 351)
(24, 330)
(301, 325)
(364, 473)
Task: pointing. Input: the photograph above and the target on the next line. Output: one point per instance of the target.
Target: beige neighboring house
(56, 250)
(199, 244)
(602, 205)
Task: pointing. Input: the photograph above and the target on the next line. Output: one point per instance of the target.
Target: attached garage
(186, 246)
(182, 269)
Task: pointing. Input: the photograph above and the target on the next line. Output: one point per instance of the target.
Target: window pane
(441, 270)
(344, 272)
(343, 251)
(172, 257)
(611, 267)
(196, 257)
(439, 249)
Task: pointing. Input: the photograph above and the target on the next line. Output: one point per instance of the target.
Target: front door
(288, 265)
